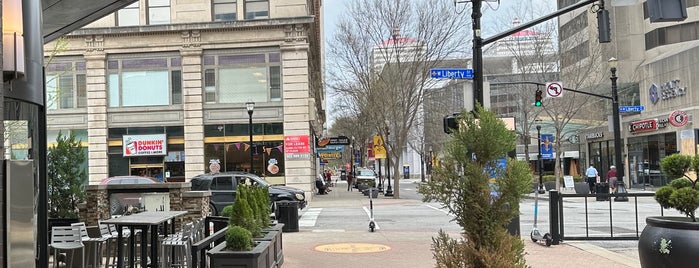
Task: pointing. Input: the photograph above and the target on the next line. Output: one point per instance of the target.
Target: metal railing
(200, 248)
(556, 216)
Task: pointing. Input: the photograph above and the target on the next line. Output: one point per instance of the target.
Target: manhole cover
(352, 248)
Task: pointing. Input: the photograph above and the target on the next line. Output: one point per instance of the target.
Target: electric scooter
(372, 224)
(536, 236)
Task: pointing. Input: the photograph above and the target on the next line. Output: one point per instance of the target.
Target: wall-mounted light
(12, 40)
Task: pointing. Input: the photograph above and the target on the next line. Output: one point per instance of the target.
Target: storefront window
(128, 78)
(238, 78)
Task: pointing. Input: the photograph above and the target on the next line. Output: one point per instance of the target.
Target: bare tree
(380, 58)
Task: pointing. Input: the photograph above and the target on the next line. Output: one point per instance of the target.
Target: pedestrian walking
(591, 174)
(350, 176)
(611, 178)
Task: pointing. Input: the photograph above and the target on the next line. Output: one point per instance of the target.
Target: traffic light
(603, 26)
(450, 123)
(539, 98)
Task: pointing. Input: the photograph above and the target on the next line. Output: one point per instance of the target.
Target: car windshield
(366, 172)
(260, 181)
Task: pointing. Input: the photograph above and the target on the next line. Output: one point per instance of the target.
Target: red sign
(370, 151)
(678, 118)
(296, 144)
(643, 126)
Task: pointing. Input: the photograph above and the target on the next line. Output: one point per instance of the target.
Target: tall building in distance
(176, 77)
(396, 48)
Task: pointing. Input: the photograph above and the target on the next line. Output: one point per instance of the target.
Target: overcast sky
(497, 17)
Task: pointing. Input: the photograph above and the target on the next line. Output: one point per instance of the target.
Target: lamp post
(539, 161)
(389, 190)
(422, 163)
(430, 164)
(620, 190)
(352, 157)
(250, 106)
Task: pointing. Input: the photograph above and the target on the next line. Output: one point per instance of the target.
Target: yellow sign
(352, 248)
(379, 149)
(335, 155)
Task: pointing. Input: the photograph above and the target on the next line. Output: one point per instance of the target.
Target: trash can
(288, 215)
(602, 191)
(343, 175)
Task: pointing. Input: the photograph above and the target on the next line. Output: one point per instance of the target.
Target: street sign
(554, 89)
(440, 73)
(631, 109)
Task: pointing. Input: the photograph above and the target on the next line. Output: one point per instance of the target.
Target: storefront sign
(678, 118)
(296, 144)
(144, 145)
(594, 135)
(341, 140)
(643, 126)
(666, 91)
(329, 155)
(331, 149)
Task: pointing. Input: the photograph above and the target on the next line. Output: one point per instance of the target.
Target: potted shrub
(673, 241)
(240, 249)
(483, 203)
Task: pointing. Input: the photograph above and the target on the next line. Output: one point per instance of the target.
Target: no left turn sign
(554, 89)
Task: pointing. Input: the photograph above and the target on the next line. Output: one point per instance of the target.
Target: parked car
(365, 177)
(223, 186)
(118, 202)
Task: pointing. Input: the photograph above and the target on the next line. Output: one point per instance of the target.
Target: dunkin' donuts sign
(144, 145)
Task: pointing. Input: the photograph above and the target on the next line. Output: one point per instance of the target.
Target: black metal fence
(557, 216)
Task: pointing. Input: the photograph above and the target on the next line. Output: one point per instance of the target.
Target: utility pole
(477, 54)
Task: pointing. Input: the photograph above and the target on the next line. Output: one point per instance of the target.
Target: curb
(605, 253)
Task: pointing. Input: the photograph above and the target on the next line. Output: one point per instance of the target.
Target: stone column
(193, 112)
(296, 95)
(98, 160)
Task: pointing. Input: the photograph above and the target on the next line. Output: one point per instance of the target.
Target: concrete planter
(274, 236)
(582, 188)
(669, 242)
(258, 257)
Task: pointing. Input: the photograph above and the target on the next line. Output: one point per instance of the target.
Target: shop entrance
(147, 166)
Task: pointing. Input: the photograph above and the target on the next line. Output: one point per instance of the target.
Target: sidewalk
(412, 248)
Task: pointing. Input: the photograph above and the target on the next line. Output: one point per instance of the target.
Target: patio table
(142, 221)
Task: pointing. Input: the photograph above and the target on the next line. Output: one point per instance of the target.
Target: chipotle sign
(643, 126)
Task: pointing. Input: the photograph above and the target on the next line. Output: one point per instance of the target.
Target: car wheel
(212, 210)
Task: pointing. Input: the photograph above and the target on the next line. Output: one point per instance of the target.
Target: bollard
(554, 216)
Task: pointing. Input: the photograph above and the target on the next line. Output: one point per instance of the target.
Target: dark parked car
(223, 186)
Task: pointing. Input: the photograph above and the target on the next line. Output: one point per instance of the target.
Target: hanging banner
(144, 145)
(379, 149)
(547, 146)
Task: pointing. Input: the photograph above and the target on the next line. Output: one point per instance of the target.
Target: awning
(64, 16)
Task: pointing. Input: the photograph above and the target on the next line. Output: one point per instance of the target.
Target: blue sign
(331, 149)
(631, 109)
(451, 73)
(546, 146)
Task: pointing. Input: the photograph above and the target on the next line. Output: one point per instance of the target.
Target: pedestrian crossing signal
(539, 98)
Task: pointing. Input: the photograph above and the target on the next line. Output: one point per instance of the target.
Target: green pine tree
(66, 177)
(463, 185)
(242, 214)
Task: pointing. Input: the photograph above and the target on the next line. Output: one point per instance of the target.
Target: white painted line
(439, 209)
(310, 217)
(368, 214)
(328, 231)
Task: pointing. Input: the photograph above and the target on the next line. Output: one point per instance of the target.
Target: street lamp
(389, 190)
(250, 106)
(422, 162)
(430, 164)
(352, 157)
(539, 161)
(620, 190)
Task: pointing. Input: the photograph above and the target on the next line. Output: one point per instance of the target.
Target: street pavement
(334, 233)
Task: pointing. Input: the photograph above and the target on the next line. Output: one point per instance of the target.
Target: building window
(144, 82)
(129, 15)
(256, 9)
(66, 85)
(239, 78)
(158, 12)
(224, 10)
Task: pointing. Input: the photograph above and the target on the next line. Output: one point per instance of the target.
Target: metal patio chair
(66, 238)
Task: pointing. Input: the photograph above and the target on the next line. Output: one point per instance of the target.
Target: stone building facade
(179, 74)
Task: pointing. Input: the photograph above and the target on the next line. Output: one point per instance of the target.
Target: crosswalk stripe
(310, 217)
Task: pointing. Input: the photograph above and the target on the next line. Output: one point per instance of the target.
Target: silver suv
(223, 186)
